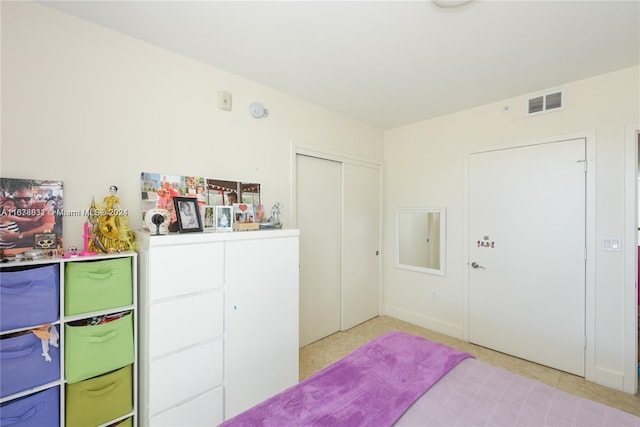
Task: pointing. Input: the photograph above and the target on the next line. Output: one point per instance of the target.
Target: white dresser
(218, 323)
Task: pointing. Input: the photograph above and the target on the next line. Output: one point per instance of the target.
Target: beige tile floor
(328, 350)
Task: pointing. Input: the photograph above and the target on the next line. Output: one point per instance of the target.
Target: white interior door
(527, 238)
(318, 200)
(360, 245)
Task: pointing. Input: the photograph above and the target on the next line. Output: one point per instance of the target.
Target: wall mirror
(420, 239)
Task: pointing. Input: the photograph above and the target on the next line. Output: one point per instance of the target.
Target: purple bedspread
(373, 386)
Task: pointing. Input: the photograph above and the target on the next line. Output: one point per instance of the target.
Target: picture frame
(33, 203)
(224, 218)
(45, 241)
(159, 189)
(243, 212)
(209, 217)
(187, 214)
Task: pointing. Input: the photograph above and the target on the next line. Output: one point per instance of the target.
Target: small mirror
(420, 239)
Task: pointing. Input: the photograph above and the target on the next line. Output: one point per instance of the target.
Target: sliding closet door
(318, 200)
(360, 244)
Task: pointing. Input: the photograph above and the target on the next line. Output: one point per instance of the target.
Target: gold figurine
(110, 225)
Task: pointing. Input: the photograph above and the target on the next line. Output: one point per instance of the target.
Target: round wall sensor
(257, 110)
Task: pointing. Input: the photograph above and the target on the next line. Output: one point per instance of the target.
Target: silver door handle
(476, 265)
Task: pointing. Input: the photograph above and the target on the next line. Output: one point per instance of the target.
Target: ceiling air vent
(553, 101)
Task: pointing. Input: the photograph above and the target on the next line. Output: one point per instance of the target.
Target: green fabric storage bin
(97, 285)
(94, 350)
(128, 422)
(99, 400)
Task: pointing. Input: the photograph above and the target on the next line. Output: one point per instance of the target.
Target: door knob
(476, 265)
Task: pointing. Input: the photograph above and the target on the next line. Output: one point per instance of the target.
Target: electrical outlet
(434, 296)
(224, 100)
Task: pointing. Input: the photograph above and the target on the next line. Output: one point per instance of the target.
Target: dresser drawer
(180, 376)
(203, 410)
(179, 323)
(97, 285)
(29, 297)
(176, 271)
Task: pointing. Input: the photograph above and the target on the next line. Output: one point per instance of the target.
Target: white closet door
(360, 245)
(318, 199)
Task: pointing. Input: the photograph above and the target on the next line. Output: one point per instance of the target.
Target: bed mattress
(475, 393)
(406, 380)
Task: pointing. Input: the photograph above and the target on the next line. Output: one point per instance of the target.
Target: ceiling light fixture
(450, 3)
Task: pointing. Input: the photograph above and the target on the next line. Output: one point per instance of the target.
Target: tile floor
(326, 351)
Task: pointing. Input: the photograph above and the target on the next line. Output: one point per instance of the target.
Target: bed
(402, 379)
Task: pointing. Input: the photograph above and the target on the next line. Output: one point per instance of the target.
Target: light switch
(611, 244)
(224, 100)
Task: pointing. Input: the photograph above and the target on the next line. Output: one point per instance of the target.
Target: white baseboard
(609, 378)
(426, 322)
(602, 376)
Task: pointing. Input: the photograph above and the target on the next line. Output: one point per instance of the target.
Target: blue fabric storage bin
(29, 297)
(35, 410)
(22, 365)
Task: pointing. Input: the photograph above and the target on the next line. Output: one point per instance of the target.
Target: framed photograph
(45, 240)
(224, 218)
(209, 217)
(159, 189)
(243, 212)
(187, 214)
(30, 207)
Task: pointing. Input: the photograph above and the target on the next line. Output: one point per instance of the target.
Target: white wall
(94, 108)
(424, 166)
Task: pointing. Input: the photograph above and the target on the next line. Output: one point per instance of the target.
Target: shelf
(60, 321)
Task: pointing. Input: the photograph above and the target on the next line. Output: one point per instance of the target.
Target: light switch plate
(613, 244)
(224, 100)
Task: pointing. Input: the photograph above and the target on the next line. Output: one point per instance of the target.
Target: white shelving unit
(16, 404)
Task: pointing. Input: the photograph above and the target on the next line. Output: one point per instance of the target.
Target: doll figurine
(110, 225)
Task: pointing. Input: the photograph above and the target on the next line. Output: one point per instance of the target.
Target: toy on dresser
(86, 236)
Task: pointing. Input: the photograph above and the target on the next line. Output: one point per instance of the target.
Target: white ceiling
(388, 63)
